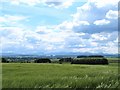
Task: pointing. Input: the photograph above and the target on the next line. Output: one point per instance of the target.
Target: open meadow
(36, 75)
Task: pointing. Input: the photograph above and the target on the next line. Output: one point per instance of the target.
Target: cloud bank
(92, 28)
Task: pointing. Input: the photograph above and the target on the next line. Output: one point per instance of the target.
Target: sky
(62, 26)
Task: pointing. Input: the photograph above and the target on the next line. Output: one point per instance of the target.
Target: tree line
(93, 59)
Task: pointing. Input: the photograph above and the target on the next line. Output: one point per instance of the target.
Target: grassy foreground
(34, 75)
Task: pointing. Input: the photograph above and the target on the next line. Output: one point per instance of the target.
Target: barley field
(36, 75)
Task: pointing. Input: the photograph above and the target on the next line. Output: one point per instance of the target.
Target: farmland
(53, 75)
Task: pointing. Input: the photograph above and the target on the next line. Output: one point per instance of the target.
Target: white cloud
(30, 46)
(94, 44)
(112, 14)
(50, 48)
(2, 19)
(116, 41)
(53, 41)
(95, 16)
(69, 25)
(98, 36)
(66, 25)
(85, 7)
(94, 10)
(12, 20)
(59, 3)
(67, 4)
(82, 13)
(43, 29)
(19, 38)
(14, 17)
(101, 22)
(104, 36)
(27, 2)
(83, 23)
(104, 3)
(50, 3)
(108, 49)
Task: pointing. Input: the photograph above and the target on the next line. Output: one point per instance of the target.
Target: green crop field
(35, 75)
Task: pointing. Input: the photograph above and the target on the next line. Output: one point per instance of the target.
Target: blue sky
(50, 26)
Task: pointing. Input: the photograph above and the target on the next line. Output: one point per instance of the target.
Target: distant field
(35, 75)
(113, 58)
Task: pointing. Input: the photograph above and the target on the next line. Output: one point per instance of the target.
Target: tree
(4, 60)
(101, 61)
(43, 60)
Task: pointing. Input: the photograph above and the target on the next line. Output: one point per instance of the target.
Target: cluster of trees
(65, 60)
(94, 60)
(42, 60)
(3, 60)
(91, 56)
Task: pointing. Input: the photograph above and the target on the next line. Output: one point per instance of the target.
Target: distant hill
(53, 55)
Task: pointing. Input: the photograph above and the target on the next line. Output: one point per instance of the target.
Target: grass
(110, 58)
(33, 75)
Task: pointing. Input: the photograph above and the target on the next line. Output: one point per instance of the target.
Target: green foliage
(65, 60)
(33, 75)
(89, 60)
(97, 56)
(4, 60)
(43, 60)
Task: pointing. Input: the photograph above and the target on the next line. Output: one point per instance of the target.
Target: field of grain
(35, 75)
